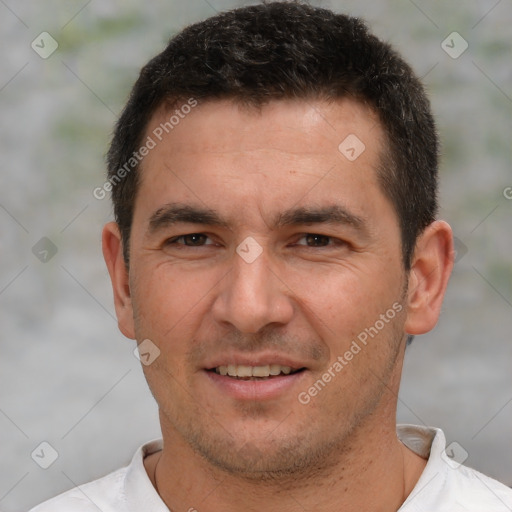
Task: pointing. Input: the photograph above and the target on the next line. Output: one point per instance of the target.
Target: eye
(189, 240)
(317, 240)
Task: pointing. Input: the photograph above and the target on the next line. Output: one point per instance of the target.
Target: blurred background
(69, 378)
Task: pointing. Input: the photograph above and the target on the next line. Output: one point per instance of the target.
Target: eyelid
(172, 240)
(335, 241)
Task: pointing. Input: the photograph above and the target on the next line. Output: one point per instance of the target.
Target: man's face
(266, 280)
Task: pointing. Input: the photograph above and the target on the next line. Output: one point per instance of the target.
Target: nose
(253, 295)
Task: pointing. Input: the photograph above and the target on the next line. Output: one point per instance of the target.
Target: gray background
(68, 377)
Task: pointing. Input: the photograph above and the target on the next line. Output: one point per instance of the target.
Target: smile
(254, 372)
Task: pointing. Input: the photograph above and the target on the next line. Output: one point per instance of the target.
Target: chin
(269, 459)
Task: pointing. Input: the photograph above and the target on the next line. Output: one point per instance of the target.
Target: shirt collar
(138, 489)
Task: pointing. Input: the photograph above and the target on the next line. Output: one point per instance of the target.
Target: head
(283, 51)
(285, 216)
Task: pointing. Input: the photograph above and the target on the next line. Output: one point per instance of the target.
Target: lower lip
(266, 389)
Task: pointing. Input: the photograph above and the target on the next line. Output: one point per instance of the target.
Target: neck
(373, 475)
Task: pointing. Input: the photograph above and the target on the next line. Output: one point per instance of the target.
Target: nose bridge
(251, 273)
(251, 296)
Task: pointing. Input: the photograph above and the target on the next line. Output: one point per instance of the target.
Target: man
(274, 179)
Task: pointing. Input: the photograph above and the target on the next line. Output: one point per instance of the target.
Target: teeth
(252, 371)
(242, 371)
(275, 369)
(260, 371)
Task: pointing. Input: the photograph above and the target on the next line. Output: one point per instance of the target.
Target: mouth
(269, 377)
(255, 373)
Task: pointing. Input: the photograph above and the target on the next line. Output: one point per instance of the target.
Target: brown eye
(322, 242)
(317, 240)
(189, 240)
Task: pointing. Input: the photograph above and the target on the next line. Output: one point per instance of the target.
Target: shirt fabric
(444, 486)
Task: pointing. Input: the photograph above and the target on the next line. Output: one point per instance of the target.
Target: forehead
(226, 125)
(287, 152)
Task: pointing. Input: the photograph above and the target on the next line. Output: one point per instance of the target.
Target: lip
(254, 360)
(255, 390)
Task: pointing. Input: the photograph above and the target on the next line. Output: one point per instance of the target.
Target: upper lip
(255, 360)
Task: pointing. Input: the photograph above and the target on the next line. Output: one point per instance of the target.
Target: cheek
(346, 307)
(166, 300)
(347, 296)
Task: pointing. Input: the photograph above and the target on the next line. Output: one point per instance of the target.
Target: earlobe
(431, 267)
(113, 254)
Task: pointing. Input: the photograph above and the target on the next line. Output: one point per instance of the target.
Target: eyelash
(173, 241)
(335, 241)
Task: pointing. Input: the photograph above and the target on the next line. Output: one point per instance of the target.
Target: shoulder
(128, 488)
(105, 494)
(446, 485)
(474, 491)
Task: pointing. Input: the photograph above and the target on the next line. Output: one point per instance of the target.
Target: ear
(113, 254)
(431, 267)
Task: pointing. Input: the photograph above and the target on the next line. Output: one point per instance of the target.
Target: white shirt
(444, 486)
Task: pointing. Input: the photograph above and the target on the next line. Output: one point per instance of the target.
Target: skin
(306, 297)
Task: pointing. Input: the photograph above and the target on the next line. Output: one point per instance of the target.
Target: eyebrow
(331, 214)
(174, 213)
